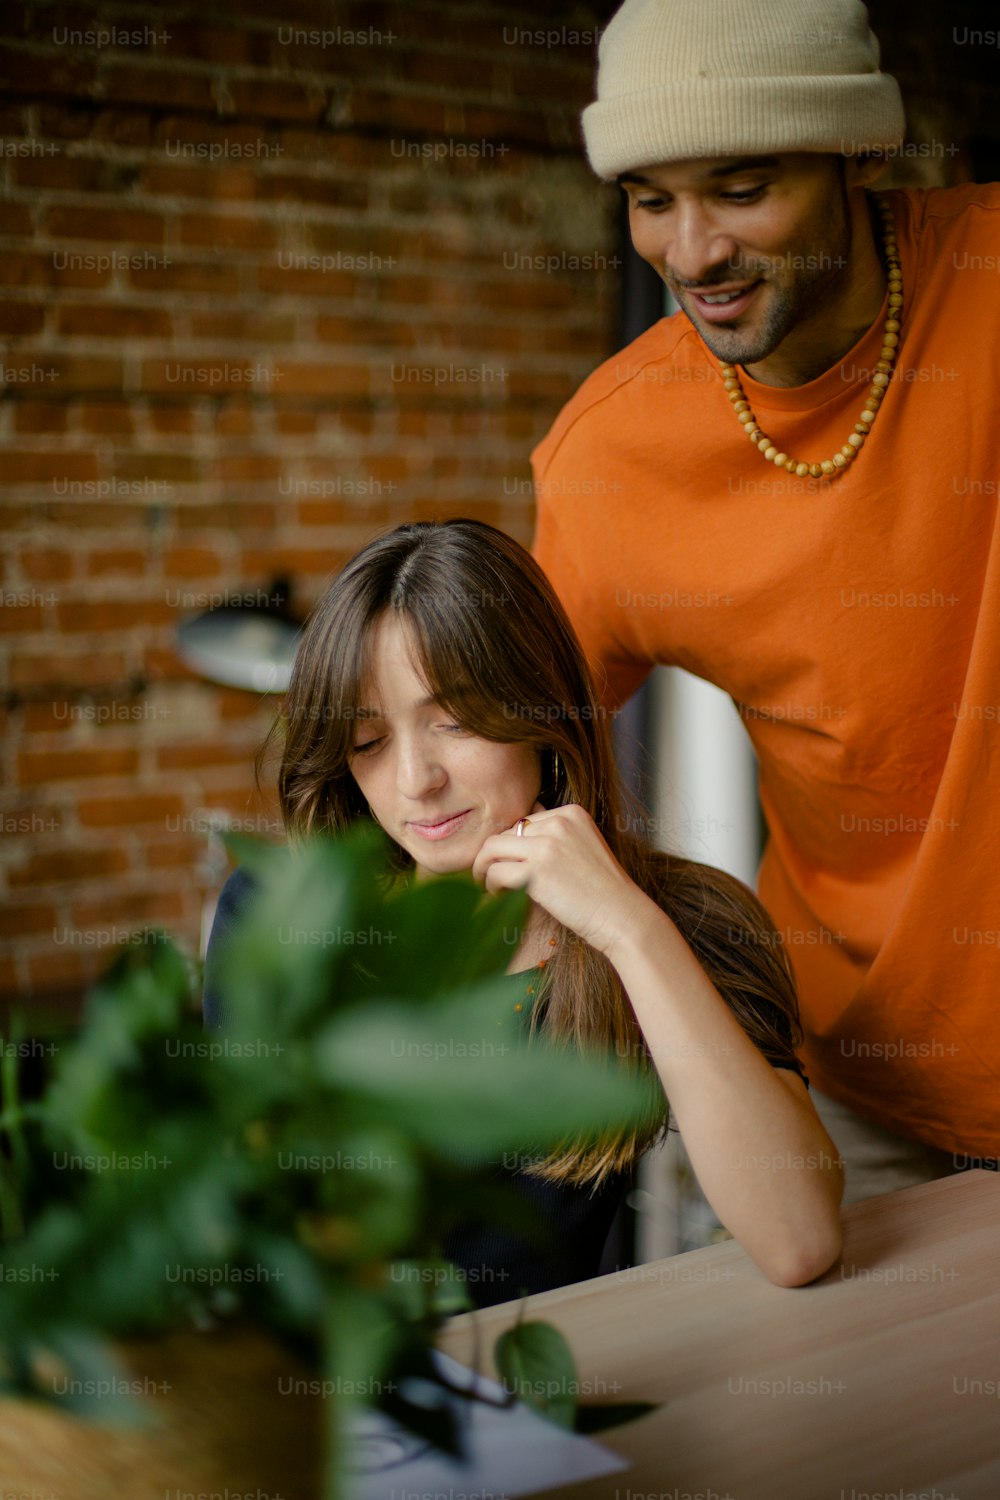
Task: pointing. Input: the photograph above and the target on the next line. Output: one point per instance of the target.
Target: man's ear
(861, 171)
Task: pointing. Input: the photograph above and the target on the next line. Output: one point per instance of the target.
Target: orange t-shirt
(856, 624)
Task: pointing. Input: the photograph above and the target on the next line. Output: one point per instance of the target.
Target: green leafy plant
(370, 1070)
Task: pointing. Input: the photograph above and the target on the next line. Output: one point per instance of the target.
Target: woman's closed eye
(367, 745)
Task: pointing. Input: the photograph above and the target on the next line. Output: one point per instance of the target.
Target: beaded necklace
(830, 467)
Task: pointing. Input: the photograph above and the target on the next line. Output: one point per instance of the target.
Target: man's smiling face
(754, 249)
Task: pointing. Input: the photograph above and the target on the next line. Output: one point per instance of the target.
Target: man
(808, 466)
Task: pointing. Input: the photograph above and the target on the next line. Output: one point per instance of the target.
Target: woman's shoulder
(235, 896)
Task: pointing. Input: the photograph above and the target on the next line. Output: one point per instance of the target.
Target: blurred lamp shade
(247, 642)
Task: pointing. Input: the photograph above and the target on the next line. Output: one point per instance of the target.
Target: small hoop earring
(555, 773)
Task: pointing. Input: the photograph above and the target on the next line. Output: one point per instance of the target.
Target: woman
(440, 690)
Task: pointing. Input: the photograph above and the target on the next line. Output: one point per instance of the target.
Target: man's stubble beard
(804, 294)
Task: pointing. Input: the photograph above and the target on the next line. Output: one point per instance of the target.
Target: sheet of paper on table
(511, 1451)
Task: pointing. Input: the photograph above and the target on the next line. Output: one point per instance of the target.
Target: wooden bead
(873, 399)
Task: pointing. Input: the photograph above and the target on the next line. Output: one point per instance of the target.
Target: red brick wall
(264, 296)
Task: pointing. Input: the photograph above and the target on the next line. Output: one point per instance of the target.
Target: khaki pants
(876, 1161)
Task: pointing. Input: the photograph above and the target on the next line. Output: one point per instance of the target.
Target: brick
(196, 757)
(86, 372)
(107, 417)
(211, 377)
(38, 767)
(117, 561)
(40, 416)
(297, 422)
(191, 562)
(170, 88)
(232, 704)
(176, 419)
(346, 329)
(13, 984)
(95, 321)
(47, 564)
(14, 19)
(18, 268)
(123, 127)
(111, 615)
(76, 669)
(166, 666)
(232, 45)
(230, 184)
(21, 317)
(20, 612)
(227, 232)
(185, 140)
(26, 921)
(18, 221)
(237, 515)
(86, 515)
(317, 562)
(132, 225)
(125, 911)
(56, 866)
(247, 323)
(72, 174)
(47, 468)
(271, 99)
(308, 283)
(247, 468)
(237, 420)
(65, 967)
(327, 379)
(65, 121)
(53, 717)
(45, 75)
(330, 192)
(158, 471)
(142, 807)
(179, 853)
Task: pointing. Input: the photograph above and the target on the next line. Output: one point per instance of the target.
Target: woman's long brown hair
(500, 655)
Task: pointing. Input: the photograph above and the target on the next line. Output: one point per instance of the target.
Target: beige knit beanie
(686, 78)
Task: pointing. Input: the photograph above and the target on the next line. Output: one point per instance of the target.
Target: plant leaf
(536, 1364)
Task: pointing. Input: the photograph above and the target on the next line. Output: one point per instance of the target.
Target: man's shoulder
(936, 209)
(607, 399)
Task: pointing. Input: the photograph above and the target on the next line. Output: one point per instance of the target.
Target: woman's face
(436, 789)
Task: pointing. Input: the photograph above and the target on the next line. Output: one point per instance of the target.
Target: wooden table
(879, 1382)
